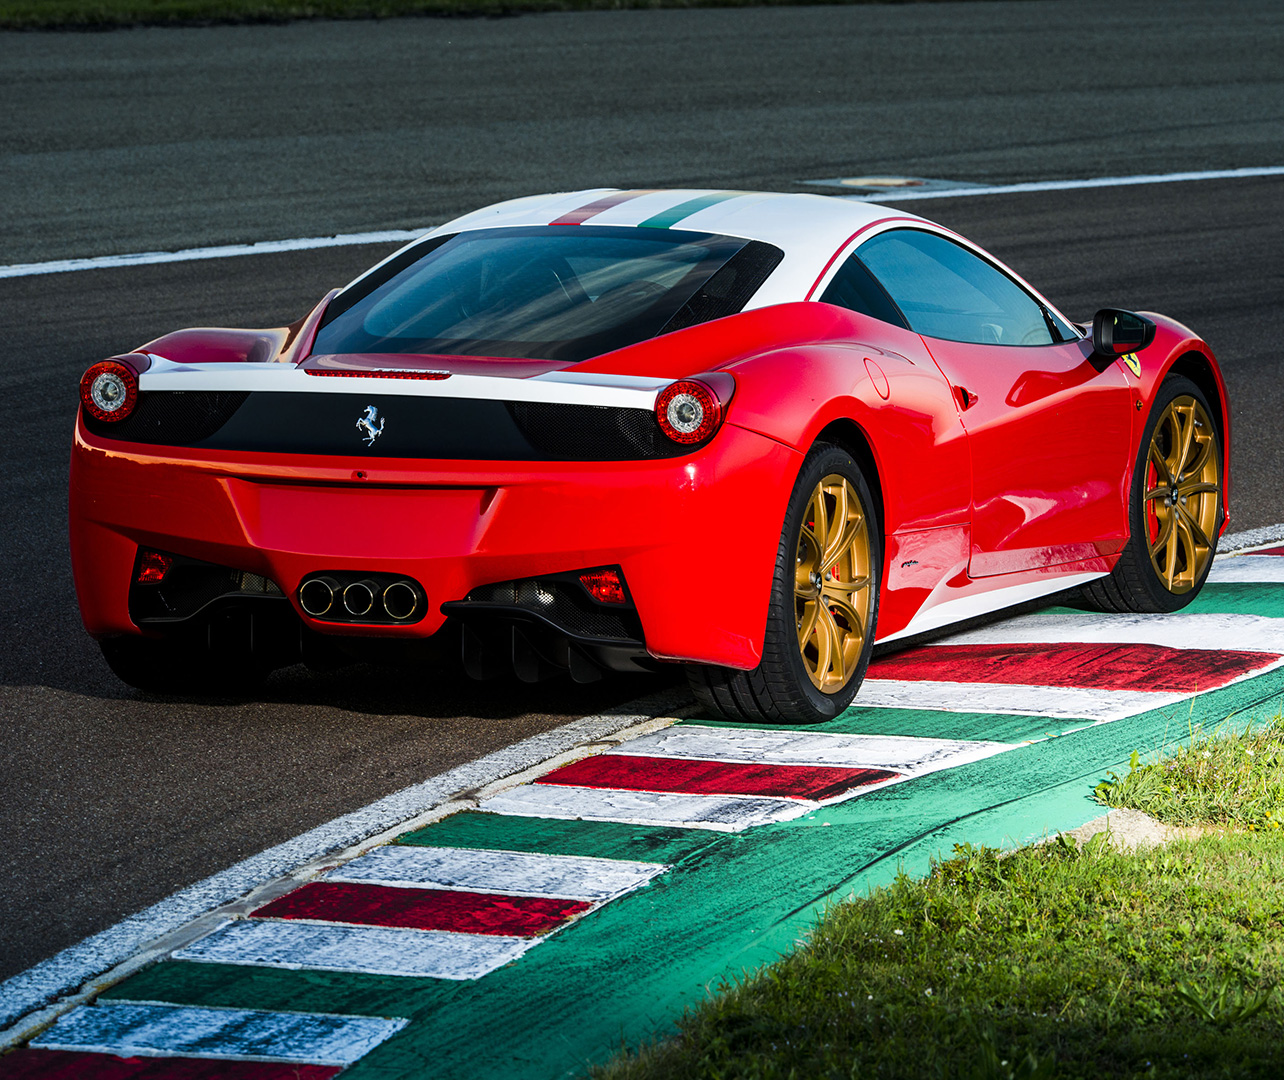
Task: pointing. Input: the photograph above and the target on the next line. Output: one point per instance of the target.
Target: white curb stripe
(721, 813)
(225, 251)
(1248, 568)
(509, 873)
(128, 1028)
(899, 195)
(1211, 632)
(1060, 702)
(903, 754)
(369, 950)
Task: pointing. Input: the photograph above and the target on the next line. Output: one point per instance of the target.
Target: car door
(1049, 424)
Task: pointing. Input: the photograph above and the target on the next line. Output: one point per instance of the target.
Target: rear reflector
(152, 567)
(604, 586)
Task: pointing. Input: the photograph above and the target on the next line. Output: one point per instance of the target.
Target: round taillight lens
(109, 390)
(689, 412)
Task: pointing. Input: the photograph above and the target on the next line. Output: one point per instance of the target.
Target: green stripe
(239, 986)
(666, 219)
(602, 839)
(937, 724)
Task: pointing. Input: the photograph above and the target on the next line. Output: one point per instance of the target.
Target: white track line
(225, 251)
(897, 195)
(267, 247)
(127, 1028)
(368, 950)
(1211, 632)
(76, 965)
(510, 873)
(721, 813)
(902, 754)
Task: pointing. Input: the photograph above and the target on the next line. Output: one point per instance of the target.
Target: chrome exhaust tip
(359, 598)
(317, 595)
(400, 600)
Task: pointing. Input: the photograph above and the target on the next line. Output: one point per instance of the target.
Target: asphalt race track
(162, 139)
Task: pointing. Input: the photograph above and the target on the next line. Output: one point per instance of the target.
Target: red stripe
(1084, 667)
(712, 777)
(28, 1064)
(588, 210)
(1268, 551)
(424, 909)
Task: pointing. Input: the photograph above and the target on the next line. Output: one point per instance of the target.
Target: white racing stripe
(1247, 568)
(511, 873)
(1055, 701)
(618, 391)
(902, 754)
(370, 950)
(1249, 633)
(721, 813)
(127, 1028)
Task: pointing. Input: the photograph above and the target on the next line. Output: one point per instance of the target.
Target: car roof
(809, 229)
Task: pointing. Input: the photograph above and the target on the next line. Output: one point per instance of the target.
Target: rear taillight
(690, 411)
(109, 390)
(152, 567)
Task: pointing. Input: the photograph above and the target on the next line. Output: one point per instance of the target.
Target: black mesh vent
(189, 585)
(172, 417)
(593, 432)
(556, 601)
(727, 291)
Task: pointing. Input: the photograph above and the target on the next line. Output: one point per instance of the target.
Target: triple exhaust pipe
(369, 598)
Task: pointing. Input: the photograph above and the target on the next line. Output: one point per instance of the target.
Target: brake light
(109, 390)
(689, 411)
(604, 586)
(152, 567)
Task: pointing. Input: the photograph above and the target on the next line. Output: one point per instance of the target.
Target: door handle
(964, 397)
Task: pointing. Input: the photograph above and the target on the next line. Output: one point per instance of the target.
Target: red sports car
(749, 433)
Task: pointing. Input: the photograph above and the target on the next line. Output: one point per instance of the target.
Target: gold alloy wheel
(1183, 485)
(832, 588)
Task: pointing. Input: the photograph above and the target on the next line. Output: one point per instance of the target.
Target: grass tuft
(1052, 961)
(1224, 778)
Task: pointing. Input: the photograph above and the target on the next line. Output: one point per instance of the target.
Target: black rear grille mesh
(592, 432)
(172, 417)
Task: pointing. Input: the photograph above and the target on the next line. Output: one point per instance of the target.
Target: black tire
(781, 689)
(171, 667)
(1135, 583)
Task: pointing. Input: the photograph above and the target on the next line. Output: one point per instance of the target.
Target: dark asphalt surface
(112, 800)
(156, 138)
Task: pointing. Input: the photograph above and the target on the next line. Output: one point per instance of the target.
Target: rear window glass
(551, 293)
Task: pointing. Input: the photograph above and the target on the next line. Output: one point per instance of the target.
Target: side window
(947, 292)
(854, 287)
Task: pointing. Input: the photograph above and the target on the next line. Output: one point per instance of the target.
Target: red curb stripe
(695, 777)
(1080, 666)
(588, 210)
(424, 909)
(28, 1064)
(1268, 551)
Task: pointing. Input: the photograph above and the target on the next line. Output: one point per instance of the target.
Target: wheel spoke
(1159, 462)
(807, 624)
(840, 590)
(835, 668)
(1196, 533)
(1187, 489)
(1165, 529)
(1201, 461)
(1155, 493)
(1187, 435)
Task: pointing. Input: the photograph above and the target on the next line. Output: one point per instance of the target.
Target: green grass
(1054, 961)
(1219, 778)
(108, 14)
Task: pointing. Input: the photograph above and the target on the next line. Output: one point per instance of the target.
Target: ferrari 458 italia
(607, 430)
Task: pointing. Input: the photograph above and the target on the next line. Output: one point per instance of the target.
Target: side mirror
(1116, 332)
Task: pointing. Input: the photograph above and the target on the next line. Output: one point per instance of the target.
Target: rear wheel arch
(851, 437)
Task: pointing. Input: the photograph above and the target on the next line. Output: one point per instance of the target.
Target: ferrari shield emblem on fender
(372, 424)
(1134, 365)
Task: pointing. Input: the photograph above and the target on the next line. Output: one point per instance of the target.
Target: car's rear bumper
(696, 536)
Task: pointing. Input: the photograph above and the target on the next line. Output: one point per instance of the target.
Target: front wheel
(824, 604)
(1174, 510)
